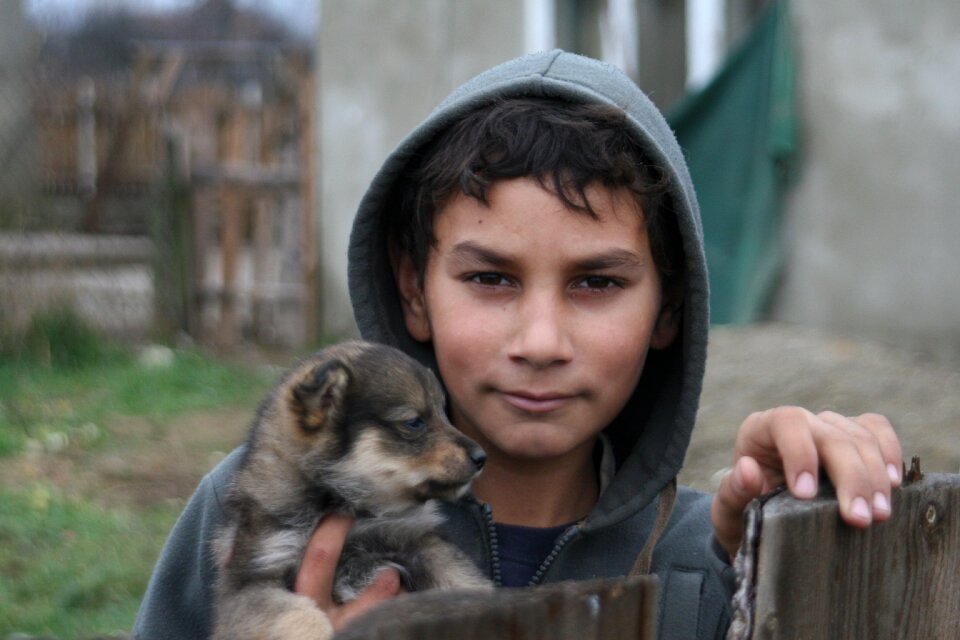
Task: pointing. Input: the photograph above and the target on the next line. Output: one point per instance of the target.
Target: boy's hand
(788, 445)
(315, 577)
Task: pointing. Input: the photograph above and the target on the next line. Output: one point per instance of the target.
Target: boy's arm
(789, 445)
(178, 601)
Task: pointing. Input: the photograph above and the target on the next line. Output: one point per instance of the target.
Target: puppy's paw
(302, 624)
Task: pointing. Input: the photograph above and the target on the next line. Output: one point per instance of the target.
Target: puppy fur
(357, 428)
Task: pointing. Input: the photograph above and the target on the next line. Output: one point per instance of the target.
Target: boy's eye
(490, 279)
(415, 424)
(597, 283)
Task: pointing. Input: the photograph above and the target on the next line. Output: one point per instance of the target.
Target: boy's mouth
(530, 402)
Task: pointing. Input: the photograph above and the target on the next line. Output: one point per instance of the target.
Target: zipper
(572, 532)
(494, 543)
(562, 541)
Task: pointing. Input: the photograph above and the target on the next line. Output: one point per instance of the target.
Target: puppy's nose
(479, 457)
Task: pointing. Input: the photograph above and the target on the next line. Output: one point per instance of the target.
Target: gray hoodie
(649, 439)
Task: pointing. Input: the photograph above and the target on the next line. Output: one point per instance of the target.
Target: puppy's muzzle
(478, 456)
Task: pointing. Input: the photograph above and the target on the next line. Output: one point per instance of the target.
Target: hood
(651, 435)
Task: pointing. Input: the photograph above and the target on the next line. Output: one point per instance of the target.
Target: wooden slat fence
(615, 609)
(806, 576)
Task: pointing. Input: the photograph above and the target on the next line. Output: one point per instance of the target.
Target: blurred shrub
(58, 337)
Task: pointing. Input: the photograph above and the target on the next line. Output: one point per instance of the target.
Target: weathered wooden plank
(626, 617)
(263, 213)
(614, 609)
(809, 576)
(232, 218)
(308, 168)
(247, 176)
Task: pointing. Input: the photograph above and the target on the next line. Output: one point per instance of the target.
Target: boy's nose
(541, 339)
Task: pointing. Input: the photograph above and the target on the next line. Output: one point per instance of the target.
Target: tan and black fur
(357, 428)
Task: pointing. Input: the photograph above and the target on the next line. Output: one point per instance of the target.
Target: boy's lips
(530, 402)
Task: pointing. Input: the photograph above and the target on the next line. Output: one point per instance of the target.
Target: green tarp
(740, 136)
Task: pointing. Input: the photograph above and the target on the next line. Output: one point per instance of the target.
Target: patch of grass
(71, 569)
(51, 407)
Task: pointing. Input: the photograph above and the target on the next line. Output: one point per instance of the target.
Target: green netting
(740, 136)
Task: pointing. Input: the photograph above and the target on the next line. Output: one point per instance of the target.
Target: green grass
(70, 569)
(61, 383)
(48, 406)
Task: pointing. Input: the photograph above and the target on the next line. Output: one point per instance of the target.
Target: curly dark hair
(565, 146)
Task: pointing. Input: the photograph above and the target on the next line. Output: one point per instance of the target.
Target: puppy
(357, 428)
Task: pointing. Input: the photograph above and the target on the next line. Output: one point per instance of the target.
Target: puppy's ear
(318, 397)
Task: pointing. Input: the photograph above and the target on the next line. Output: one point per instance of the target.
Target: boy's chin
(542, 443)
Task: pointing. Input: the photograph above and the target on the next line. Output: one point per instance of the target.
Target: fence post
(171, 231)
(86, 137)
(232, 217)
(264, 211)
(804, 575)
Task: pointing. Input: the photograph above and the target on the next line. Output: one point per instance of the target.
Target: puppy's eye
(414, 424)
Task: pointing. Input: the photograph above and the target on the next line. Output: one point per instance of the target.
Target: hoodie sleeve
(697, 583)
(178, 602)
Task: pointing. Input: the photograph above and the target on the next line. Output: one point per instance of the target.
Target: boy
(537, 242)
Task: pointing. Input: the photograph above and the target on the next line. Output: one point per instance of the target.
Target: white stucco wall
(873, 225)
(382, 66)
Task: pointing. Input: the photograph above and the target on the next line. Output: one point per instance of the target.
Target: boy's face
(540, 317)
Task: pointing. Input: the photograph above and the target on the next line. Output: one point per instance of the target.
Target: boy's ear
(668, 320)
(411, 296)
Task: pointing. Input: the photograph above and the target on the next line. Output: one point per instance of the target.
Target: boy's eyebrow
(612, 259)
(468, 250)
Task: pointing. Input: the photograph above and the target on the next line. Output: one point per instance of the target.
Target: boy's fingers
(385, 585)
(319, 564)
(739, 486)
(889, 444)
(782, 442)
(857, 466)
(844, 463)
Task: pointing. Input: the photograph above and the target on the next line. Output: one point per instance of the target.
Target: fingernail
(860, 510)
(880, 503)
(805, 486)
(894, 473)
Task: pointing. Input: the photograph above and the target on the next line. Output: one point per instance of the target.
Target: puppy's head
(368, 423)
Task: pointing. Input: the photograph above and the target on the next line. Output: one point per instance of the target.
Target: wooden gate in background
(239, 234)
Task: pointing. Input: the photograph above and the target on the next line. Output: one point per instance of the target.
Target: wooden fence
(618, 609)
(216, 141)
(803, 575)
(236, 254)
(236, 235)
(806, 576)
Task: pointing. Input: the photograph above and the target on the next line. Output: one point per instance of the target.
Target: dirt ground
(762, 366)
(748, 369)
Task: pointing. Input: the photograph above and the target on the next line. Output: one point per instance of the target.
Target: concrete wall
(382, 66)
(874, 223)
